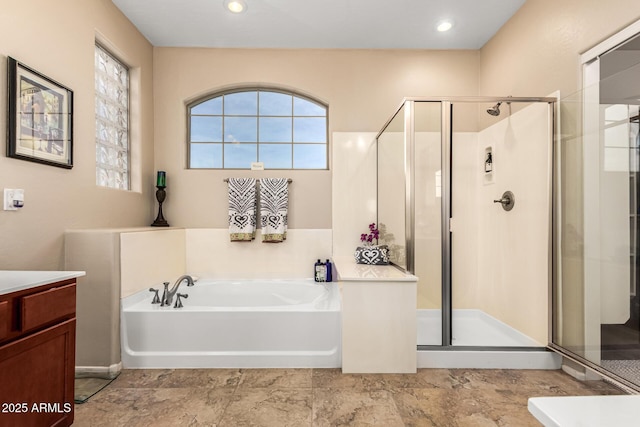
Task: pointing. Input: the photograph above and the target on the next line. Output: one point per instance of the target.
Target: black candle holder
(160, 196)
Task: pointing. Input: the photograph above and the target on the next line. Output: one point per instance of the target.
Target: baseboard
(586, 375)
(107, 372)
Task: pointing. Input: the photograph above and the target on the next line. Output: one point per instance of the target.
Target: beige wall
(361, 87)
(536, 52)
(57, 39)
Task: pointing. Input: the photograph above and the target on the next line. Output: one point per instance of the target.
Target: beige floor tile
(178, 378)
(549, 383)
(154, 407)
(326, 397)
(334, 378)
(440, 407)
(276, 378)
(269, 407)
(203, 378)
(345, 407)
(141, 378)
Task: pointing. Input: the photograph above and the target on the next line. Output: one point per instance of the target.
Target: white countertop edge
(539, 413)
(349, 271)
(19, 280)
(585, 411)
(413, 279)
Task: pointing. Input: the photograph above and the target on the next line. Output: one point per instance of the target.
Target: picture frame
(39, 117)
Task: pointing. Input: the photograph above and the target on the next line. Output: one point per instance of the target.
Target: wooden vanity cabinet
(37, 355)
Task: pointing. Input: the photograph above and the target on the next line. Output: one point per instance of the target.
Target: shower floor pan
(499, 346)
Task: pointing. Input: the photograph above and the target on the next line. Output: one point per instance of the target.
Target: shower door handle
(507, 201)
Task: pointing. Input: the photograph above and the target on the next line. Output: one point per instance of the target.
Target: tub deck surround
(350, 271)
(123, 261)
(118, 261)
(378, 318)
(235, 324)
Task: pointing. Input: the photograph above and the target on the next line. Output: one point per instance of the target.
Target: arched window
(280, 129)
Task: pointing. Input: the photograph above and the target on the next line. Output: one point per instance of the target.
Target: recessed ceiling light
(444, 26)
(235, 6)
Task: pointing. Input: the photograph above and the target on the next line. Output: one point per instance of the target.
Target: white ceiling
(357, 24)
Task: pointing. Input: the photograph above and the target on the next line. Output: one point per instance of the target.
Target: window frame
(220, 94)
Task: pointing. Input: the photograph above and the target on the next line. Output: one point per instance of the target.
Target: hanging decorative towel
(274, 204)
(242, 209)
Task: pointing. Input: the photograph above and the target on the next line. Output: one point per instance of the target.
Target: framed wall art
(40, 117)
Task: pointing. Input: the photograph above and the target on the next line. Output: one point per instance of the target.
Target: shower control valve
(507, 201)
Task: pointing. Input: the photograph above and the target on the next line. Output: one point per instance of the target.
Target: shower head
(495, 110)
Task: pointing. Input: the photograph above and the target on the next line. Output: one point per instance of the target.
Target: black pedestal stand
(160, 196)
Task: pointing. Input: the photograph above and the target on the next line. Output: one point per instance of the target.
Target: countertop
(15, 280)
(586, 411)
(349, 271)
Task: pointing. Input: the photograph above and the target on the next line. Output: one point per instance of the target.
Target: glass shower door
(428, 243)
(410, 190)
(596, 309)
(500, 257)
(391, 189)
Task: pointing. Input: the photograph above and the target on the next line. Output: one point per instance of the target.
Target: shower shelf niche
(488, 166)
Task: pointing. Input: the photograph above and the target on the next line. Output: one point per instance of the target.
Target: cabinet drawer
(5, 321)
(47, 306)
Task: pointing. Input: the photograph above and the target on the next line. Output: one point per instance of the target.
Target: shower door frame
(446, 133)
(590, 76)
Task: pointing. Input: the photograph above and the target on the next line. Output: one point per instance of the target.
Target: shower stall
(465, 203)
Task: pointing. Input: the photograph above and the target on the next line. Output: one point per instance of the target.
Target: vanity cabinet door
(5, 319)
(36, 378)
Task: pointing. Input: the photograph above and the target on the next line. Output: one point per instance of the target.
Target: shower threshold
(480, 342)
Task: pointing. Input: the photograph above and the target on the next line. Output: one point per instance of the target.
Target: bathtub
(235, 324)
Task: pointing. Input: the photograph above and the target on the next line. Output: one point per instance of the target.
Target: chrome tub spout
(167, 296)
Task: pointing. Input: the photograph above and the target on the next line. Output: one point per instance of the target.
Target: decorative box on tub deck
(372, 255)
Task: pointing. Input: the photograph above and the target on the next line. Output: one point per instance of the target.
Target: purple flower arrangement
(370, 252)
(367, 239)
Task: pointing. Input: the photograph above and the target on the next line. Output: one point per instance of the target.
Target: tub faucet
(167, 295)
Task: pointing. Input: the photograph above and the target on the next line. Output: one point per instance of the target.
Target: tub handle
(178, 303)
(156, 298)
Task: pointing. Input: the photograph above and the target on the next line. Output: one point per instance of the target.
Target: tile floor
(326, 397)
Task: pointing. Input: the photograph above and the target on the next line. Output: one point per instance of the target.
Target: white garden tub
(235, 324)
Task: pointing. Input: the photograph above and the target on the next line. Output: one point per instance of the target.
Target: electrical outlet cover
(8, 200)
